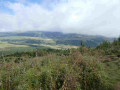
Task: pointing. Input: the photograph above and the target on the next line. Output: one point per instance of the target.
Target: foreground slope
(74, 69)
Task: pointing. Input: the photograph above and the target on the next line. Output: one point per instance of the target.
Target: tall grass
(64, 70)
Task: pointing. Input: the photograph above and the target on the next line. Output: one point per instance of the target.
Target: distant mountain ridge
(62, 38)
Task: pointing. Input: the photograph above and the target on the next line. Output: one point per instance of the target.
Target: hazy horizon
(91, 17)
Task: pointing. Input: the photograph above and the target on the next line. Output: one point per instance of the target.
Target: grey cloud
(94, 17)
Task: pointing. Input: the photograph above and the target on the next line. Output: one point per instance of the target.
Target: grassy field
(22, 41)
(5, 45)
(12, 44)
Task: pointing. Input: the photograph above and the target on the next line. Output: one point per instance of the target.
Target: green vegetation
(71, 69)
(11, 42)
(48, 39)
(110, 48)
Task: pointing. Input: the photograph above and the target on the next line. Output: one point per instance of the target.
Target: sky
(92, 17)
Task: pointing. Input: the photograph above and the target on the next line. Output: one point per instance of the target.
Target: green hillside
(12, 41)
(55, 69)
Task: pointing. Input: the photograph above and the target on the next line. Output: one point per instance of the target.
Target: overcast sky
(93, 17)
